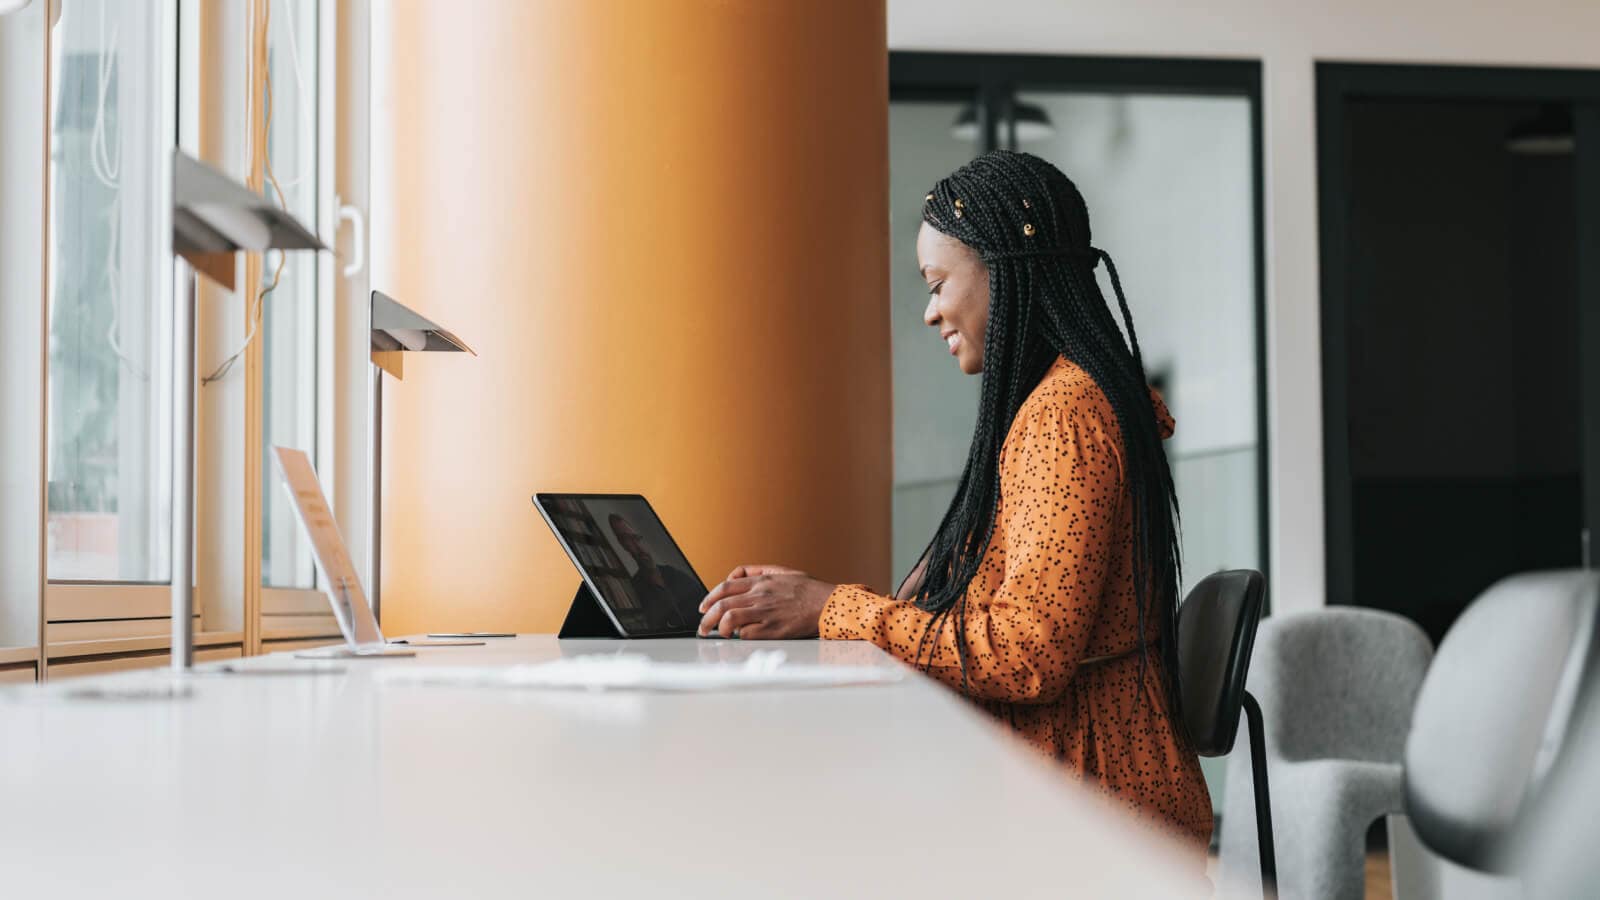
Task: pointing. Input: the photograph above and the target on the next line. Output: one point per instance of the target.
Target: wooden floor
(1378, 885)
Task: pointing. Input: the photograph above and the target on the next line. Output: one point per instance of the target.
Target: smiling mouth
(951, 340)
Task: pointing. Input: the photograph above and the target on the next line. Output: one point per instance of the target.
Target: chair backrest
(1494, 713)
(1216, 631)
(1338, 683)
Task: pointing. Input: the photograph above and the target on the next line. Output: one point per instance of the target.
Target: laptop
(362, 636)
(636, 582)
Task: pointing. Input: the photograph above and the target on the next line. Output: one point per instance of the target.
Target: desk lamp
(213, 216)
(396, 329)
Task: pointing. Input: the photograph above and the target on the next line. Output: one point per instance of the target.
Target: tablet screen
(629, 560)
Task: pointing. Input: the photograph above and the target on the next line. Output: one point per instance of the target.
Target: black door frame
(989, 79)
(1339, 83)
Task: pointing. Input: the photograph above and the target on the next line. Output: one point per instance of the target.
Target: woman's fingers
(753, 571)
(715, 613)
(729, 588)
(736, 619)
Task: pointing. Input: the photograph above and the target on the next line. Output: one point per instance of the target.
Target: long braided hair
(1029, 224)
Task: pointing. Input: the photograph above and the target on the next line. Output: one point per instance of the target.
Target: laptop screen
(628, 559)
(339, 576)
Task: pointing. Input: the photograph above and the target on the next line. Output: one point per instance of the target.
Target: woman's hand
(764, 603)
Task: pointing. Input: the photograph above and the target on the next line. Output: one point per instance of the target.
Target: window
(109, 447)
(290, 314)
(1168, 181)
(127, 82)
(1171, 180)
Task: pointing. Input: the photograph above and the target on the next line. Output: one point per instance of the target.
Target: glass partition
(1169, 182)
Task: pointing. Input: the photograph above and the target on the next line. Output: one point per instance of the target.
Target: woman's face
(958, 295)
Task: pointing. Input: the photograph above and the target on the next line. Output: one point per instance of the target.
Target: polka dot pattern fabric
(1051, 623)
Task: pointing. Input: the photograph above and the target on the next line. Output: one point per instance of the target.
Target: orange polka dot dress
(1051, 615)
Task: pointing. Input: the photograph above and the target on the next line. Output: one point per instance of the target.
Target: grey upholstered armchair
(1336, 688)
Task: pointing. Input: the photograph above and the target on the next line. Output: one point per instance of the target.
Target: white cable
(100, 162)
(277, 272)
(107, 170)
(300, 84)
(294, 48)
(113, 276)
(226, 365)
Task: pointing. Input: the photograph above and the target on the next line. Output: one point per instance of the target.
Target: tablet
(631, 564)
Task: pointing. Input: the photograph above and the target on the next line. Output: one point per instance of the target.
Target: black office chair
(1216, 632)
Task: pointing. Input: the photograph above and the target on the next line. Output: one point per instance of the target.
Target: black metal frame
(1337, 85)
(990, 80)
(1263, 795)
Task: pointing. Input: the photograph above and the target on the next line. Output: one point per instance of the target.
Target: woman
(1048, 592)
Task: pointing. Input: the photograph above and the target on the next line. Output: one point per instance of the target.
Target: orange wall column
(663, 227)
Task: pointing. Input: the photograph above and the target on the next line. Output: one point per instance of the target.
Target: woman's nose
(931, 314)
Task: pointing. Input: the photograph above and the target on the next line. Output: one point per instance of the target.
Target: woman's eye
(934, 288)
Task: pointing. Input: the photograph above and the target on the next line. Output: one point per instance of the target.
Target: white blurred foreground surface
(372, 782)
(638, 672)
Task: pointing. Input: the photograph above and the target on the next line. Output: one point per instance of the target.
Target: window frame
(288, 614)
(145, 70)
(234, 609)
(25, 51)
(115, 605)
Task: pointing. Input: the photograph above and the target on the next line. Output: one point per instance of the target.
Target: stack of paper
(635, 672)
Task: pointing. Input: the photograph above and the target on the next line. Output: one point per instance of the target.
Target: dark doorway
(1454, 260)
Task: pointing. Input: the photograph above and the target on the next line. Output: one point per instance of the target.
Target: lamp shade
(212, 213)
(396, 327)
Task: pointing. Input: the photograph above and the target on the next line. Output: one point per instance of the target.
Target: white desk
(337, 786)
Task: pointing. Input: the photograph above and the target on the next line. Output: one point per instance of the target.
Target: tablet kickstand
(586, 618)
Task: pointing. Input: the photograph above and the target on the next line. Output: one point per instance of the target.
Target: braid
(1029, 224)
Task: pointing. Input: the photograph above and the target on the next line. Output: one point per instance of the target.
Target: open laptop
(363, 638)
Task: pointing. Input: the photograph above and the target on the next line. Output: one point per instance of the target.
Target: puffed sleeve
(1060, 495)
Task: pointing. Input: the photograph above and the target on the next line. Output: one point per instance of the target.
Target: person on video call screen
(664, 591)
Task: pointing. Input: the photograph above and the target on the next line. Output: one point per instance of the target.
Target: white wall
(1289, 37)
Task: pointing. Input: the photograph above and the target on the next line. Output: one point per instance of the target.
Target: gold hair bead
(1027, 228)
(959, 207)
(930, 198)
